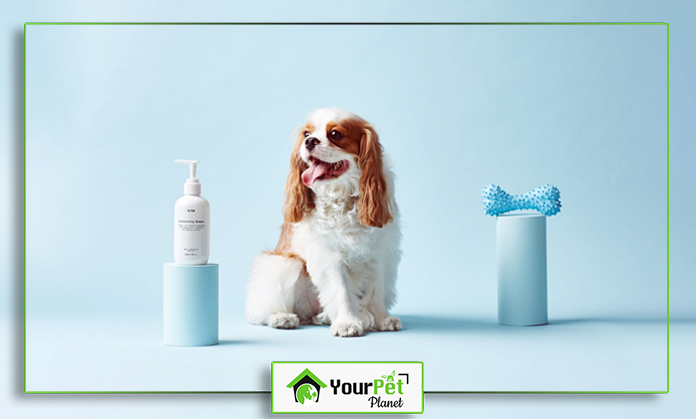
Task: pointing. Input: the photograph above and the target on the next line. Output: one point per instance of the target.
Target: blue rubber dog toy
(545, 199)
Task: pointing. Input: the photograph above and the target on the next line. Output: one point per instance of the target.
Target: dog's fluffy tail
(271, 287)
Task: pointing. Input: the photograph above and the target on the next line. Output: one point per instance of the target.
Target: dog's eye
(306, 134)
(335, 135)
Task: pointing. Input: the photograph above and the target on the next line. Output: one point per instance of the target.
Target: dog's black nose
(310, 143)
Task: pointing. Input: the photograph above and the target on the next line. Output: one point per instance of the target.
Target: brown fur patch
(309, 127)
(285, 242)
(352, 130)
(284, 246)
(373, 204)
(299, 199)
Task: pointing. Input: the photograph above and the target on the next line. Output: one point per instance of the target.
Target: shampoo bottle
(191, 222)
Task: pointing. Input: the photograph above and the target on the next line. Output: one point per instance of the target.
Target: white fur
(352, 267)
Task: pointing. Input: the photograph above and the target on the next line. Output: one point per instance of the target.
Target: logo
(346, 387)
(306, 387)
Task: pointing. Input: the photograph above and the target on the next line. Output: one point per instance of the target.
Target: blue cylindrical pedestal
(190, 304)
(522, 295)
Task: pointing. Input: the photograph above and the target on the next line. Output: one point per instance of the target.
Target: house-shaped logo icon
(306, 387)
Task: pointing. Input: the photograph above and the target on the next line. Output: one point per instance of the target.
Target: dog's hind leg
(271, 290)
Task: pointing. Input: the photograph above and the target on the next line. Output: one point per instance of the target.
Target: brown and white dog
(337, 257)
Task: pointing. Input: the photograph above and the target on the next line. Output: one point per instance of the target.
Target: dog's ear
(373, 204)
(299, 199)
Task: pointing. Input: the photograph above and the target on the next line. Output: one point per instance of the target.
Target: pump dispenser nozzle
(192, 186)
(192, 166)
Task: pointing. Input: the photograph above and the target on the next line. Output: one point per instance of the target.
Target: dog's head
(336, 146)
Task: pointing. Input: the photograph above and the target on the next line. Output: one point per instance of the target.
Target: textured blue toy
(545, 199)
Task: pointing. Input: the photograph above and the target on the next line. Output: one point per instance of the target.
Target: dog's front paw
(283, 320)
(346, 329)
(390, 324)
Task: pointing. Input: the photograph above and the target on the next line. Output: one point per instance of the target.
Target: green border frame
(352, 362)
(320, 24)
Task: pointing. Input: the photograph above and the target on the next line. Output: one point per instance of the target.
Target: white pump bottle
(191, 222)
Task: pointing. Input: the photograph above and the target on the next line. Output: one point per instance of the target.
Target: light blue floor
(460, 354)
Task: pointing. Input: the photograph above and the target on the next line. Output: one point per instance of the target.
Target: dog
(339, 249)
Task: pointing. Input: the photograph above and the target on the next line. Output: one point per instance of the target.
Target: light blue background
(682, 177)
(110, 107)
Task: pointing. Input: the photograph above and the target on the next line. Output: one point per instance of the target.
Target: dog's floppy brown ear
(299, 199)
(373, 204)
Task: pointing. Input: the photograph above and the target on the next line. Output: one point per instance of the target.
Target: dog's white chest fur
(334, 223)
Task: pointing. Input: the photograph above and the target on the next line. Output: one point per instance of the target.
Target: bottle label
(191, 234)
(191, 225)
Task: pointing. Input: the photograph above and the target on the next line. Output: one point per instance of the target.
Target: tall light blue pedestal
(190, 304)
(522, 287)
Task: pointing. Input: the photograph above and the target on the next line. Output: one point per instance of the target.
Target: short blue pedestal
(190, 304)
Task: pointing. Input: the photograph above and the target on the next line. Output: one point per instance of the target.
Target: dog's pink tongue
(310, 175)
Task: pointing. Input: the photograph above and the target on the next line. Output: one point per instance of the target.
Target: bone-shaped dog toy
(545, 199)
